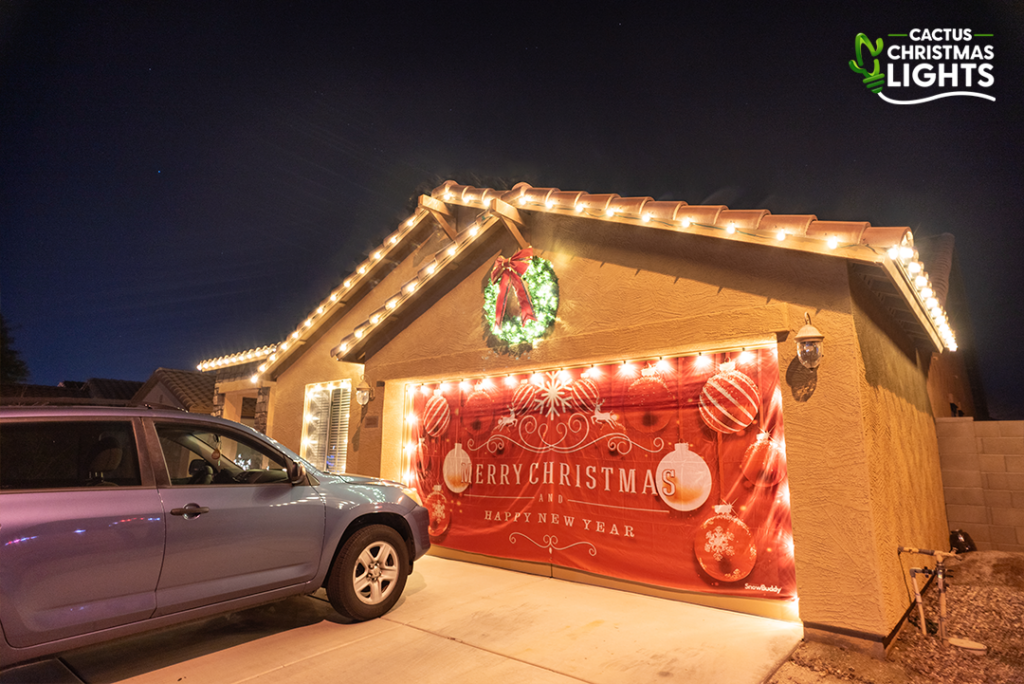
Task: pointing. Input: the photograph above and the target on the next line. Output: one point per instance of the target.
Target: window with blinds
(325, 429)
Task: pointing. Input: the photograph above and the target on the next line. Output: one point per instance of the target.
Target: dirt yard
(985, 604)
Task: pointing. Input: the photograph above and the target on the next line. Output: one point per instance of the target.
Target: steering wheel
(200, 473)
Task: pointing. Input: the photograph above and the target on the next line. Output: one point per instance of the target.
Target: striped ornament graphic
(436, 416)
(523, 397)
(728, 402)
(585, 394)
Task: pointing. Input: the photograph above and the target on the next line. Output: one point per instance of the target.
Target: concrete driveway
(457, 622)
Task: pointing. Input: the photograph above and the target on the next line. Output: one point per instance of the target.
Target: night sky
(183, 180)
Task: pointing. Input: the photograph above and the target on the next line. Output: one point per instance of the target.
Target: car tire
(369, 573)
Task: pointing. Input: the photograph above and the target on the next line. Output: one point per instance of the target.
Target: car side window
(197, 455)
(65, 454)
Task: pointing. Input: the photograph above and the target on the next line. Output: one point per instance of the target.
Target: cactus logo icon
(874, 79)
(924, 65)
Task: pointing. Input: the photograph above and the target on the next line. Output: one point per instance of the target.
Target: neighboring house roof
(884, 257)
(193, 390)
(93, 390)
(104, 388)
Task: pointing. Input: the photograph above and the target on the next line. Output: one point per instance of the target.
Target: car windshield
(295, 457)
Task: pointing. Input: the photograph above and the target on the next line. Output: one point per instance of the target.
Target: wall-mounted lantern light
(809, 344)
(364, 393)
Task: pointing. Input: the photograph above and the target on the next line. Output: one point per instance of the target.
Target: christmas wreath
(533, 281)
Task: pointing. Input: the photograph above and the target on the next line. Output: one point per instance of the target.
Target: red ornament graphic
(524, 397)
(478, 414)
(649, 404)
(440, 512)
(585, 395)
(764, 463)
(724, 546)
(437, 415)
(729, 400)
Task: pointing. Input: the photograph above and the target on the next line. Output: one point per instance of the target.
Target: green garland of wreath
(542, 284)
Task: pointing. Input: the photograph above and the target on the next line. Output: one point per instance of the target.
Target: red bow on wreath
(508, 271)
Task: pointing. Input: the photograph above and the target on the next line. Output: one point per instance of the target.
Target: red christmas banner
(670, 473)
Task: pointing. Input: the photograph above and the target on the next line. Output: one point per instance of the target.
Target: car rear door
(81, 529)
(240, 530)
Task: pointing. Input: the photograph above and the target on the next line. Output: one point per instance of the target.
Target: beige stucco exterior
(861, 445)
(863, 463)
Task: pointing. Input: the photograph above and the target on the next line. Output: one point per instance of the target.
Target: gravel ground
(985, 603)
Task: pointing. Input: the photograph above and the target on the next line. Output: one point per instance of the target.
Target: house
(95, 391)
(190, 391)
(607, 389)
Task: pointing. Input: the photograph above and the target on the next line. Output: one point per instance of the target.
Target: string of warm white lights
(272, 351)
(237, 358)
(629, 368)
(705, 357)
(904, 256)
(440, 260)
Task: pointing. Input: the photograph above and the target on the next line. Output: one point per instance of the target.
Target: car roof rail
(160, 407)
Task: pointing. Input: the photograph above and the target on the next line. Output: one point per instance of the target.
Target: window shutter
(325, 438)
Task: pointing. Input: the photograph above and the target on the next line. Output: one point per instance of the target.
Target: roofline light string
(469, 380)
(939, 318)
(390, 242)
(431, 270)
(939, 321)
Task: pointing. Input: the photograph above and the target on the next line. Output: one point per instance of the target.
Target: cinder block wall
(983, 478)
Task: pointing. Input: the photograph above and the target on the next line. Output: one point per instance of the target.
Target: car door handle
(190, 511)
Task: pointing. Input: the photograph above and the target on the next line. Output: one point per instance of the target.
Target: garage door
(668, 471)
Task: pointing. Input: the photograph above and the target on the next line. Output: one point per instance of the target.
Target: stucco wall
(648, 292)
(907, 505)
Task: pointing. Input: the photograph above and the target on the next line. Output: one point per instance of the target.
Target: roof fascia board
(445, 262)
(353, 290)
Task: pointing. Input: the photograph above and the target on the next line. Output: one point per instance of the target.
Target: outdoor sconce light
(809, 344)
(364, 393)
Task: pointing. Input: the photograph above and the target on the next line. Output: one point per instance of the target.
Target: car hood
(359, 480)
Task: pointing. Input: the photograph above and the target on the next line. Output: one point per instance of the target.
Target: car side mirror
(296, 473)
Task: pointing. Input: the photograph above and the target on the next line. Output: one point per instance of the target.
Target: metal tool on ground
(939, 572)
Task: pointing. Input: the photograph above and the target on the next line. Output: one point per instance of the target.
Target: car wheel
(369, 573)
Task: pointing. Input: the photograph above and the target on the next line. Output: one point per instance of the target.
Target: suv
(118, 520)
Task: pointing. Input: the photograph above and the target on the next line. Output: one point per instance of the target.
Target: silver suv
(118, 520)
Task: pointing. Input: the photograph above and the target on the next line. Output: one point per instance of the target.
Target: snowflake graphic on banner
(554, 396)
(719, 543)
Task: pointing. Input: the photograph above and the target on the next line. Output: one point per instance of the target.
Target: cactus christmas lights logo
(924, 65)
